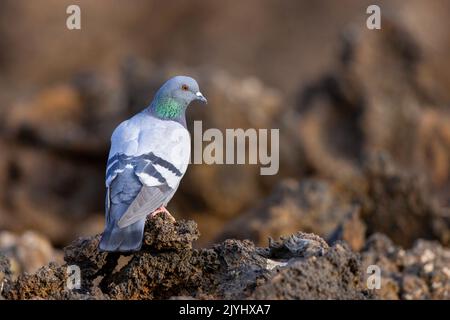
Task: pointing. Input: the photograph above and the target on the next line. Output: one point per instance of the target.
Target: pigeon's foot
(162, 209)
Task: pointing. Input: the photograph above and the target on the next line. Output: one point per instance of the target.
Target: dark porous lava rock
(334, 275)
(310, 205)
(5, 273)
(422, 272)
(168, 267)
(299, 266)
(400, 205)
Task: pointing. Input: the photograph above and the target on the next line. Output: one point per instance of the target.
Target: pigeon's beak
(201, 97)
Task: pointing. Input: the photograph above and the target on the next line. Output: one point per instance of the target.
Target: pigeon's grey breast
(148, 158)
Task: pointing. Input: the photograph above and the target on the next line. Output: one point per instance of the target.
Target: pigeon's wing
(145, 167)
(159, 179)
(121, 193)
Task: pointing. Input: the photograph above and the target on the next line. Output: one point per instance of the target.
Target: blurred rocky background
(364, 118)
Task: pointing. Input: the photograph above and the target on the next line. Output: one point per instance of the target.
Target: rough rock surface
(310, 205)
(399, 204)
(422, 272)
(28, 252)
(301, 266)
(383, 199)
(336, 274)
(5, 273)
(168, 266)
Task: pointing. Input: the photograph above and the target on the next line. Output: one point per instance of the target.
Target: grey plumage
(149, 155)
(121, 193)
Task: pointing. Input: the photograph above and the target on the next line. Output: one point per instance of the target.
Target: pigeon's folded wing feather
(147, 201)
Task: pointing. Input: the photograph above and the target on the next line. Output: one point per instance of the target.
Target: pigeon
(149, 155)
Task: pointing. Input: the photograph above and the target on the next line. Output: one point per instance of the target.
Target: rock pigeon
(149, 155)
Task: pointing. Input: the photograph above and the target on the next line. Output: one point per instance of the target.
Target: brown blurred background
(342, 96)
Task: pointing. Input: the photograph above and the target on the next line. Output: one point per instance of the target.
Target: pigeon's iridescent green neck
(167, 108)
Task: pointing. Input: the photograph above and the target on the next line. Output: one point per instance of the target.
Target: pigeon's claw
(162, 209)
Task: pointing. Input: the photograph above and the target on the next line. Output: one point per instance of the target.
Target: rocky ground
(300, 266)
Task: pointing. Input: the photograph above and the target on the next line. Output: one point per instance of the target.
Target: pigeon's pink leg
(164, 210)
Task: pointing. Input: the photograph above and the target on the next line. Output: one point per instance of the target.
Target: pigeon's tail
(124, 239)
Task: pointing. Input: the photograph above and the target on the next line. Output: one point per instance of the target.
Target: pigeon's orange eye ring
(184, 87)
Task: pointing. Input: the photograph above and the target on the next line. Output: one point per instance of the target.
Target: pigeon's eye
(184, 87)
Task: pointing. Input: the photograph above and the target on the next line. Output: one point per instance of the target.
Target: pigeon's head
(174, 96)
